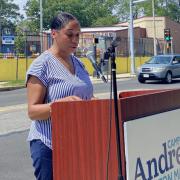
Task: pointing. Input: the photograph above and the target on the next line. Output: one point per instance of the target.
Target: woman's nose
(75, 39)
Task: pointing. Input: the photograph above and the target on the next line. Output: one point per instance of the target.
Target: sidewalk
(118, 76)
(4, 87)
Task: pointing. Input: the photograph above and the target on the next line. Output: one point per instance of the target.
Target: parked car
(160, 67)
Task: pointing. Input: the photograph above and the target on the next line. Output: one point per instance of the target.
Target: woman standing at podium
(56, 75)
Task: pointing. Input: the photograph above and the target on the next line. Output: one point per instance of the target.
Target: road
(16, 97)
(15, 162)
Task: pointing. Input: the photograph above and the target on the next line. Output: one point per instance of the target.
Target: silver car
(161, 67)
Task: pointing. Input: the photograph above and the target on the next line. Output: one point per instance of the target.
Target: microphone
(90, 56)
(116, 42)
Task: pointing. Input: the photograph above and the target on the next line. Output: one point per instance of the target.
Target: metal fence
(23, 45)
(28, 45)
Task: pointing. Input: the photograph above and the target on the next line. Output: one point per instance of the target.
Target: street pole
(26, 51)
(131, 36)
(154, 29)
(172, 51)
(0, 29)
(41, 26)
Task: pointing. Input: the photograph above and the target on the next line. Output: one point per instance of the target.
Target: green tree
(88, 12)
(166, 8)
(9, 14)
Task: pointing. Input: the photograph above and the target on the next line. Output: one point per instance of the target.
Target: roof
(99, 29)
(103, 29)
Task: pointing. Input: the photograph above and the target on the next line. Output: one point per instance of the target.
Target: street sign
(7, 39)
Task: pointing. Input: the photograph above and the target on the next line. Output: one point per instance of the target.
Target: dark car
(160, 67)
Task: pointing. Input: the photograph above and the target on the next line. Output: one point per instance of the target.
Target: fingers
(94, 98)
(70, 98)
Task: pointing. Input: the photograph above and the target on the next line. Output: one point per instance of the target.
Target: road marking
(14, 107)
(24, 106)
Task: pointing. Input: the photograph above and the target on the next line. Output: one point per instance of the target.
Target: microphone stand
(111, 53)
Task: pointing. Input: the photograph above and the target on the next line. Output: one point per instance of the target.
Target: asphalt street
(15, 162)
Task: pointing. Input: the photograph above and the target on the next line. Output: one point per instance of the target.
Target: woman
(56, 75)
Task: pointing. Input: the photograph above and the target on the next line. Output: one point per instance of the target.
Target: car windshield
(159, 60)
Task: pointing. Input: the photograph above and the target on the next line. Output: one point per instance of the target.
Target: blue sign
(7, 39)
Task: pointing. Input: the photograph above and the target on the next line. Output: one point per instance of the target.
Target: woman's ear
(53, 33)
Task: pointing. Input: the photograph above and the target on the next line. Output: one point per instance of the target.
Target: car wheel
(141, 80)
(168, 78)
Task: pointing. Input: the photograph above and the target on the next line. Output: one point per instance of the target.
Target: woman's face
(67, 38)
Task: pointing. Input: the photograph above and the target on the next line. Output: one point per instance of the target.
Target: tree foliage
(98, 12)
(9, 14)
(88, 12)
(168, 8)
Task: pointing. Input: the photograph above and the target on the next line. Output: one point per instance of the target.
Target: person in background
(55, 76)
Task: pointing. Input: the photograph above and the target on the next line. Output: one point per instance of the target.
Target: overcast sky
(21, 3)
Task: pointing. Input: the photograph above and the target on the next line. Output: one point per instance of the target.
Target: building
(143, 36)
(161, 23)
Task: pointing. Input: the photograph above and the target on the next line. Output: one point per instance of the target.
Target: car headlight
(158, 69)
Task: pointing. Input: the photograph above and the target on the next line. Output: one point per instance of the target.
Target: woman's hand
(69, 98)
(94, 98)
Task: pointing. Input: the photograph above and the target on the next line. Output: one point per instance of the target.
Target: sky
(21, 3)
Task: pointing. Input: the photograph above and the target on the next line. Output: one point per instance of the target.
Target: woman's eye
(73, 35)
(70, 35)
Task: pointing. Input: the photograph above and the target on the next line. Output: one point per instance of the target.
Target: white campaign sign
(152, 147)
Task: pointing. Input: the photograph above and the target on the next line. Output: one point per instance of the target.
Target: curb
(11, 88)
(93, 79)
(121, 76)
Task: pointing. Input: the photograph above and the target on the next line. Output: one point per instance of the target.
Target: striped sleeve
(38, 69)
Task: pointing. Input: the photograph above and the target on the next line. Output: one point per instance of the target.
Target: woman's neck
(60, 55)
(64, 58)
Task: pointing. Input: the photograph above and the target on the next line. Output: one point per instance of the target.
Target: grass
(13, 83)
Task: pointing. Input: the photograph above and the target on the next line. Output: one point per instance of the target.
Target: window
(177, 59)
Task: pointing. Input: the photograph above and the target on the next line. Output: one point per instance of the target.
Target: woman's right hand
(69, 98)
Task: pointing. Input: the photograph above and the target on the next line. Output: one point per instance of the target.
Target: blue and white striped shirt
(59, 83)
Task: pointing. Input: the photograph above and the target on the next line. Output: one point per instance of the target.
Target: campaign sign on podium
(152, 146)
(152, 136)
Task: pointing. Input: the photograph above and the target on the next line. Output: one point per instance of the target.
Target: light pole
(41, 26)
(154, 29)
(131, 36)
(131, 32)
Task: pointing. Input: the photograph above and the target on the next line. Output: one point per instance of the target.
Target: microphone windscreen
(116, 42)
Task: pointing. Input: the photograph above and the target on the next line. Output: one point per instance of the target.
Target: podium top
(138, 104)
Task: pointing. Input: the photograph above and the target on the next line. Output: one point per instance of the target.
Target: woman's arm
(35, 95)
(36, 92)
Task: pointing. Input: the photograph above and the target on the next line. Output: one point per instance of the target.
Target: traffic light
(167, 34)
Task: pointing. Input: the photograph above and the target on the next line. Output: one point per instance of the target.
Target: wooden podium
(84, 136)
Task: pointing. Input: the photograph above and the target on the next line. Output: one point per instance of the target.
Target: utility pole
(131, 36)
(131, 32)
(0, 29)
(154, 28)
(41, 26)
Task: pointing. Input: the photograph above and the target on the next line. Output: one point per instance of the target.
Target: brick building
(161, 23)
